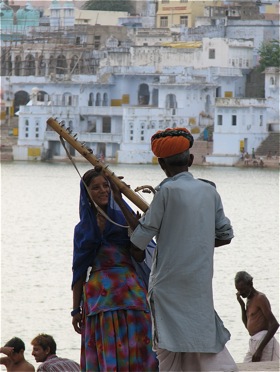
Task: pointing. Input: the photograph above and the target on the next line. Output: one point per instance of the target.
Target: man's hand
(7, 350)
(239, 299)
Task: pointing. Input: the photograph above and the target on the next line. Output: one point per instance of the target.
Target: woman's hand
(77, 323)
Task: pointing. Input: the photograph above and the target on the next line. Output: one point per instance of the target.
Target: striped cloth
(56, 364)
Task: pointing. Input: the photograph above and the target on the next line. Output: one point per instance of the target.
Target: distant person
(246, 158)
(258, 319)
(14, 359)
(44, 351)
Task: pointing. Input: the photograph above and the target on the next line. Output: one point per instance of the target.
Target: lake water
(40, 209)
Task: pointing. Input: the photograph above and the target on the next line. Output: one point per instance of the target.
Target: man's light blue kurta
(186, 215)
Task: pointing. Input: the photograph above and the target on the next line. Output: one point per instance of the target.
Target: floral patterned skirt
(119, 341)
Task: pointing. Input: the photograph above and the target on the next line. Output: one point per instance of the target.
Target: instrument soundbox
(87, 153)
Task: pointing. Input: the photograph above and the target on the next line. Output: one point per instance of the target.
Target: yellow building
(271, 11)
(173, 13)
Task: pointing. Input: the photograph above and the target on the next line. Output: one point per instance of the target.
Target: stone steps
(7, 139)
(270, 145)
(200, 150)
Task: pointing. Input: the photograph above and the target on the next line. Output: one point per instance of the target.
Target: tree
(109, 5)
(269, 54)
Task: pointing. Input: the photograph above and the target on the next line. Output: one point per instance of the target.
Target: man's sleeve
(223, 228)
(149, 224)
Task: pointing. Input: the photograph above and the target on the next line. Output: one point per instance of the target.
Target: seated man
(258, 319)
(44, 350)
(14, 359)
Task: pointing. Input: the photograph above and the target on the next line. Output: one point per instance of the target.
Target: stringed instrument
(87, 153)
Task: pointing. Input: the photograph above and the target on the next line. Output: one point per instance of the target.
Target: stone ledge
(260, 366)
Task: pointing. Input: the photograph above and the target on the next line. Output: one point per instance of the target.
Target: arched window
(171, 101)
(29, 65)
(51, 64)
(10, 65)
(131, 133)
(142, 133)
(42, 96)
(37, 129)
(155, 97)
(41, 66)
(105, 99)
(17, 66)
(26, 128)
(71, 124)
(61, 65)
(91, 99)
(207, 104)
(82, 66)
(67, 99)
(143, 94)
(3, 62)
(21, 98)
(98, 99)
(74, 65)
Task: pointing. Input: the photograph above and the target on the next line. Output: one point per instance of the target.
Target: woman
(115, 321)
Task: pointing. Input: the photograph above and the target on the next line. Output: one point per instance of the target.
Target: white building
(242, 124)
(137, 91)
(116, 111)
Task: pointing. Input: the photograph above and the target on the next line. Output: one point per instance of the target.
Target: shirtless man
(14, 360)
(258, 319)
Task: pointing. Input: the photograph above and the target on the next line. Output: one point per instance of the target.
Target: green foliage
(109, 5)
(269, 54)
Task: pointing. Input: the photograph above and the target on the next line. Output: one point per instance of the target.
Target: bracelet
(76, 311)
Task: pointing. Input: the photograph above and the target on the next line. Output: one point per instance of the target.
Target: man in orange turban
(171, 141)
(187, 218)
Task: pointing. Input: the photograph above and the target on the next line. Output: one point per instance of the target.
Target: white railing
(88, 137)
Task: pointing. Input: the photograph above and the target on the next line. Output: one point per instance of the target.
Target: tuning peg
(75, 136)
(89, 150)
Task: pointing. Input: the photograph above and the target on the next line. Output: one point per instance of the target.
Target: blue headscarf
(87, 236)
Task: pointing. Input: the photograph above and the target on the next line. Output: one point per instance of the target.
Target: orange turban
(171, 141)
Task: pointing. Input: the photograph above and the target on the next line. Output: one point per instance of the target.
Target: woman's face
(99, 190)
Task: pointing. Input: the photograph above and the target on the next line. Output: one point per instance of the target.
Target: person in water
(14, 360)
(44, 352)
(110, 309)
(258, 320)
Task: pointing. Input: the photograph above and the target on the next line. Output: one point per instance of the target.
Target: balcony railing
(88, 137)
(102, 110)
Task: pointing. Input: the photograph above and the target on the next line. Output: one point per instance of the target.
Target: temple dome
(6, 15)
(28, 15)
